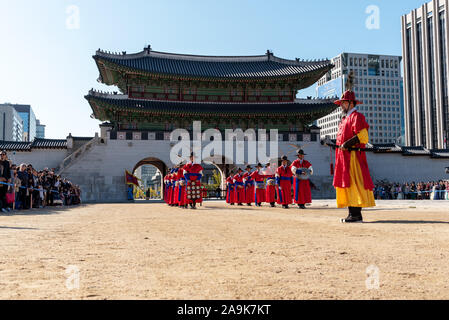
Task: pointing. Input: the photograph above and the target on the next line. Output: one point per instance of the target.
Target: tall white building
(11, 124)
(378, 84)
(425, 38)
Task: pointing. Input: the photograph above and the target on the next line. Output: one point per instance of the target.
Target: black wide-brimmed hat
(248, 167)
(300, 152)
(259, 165)
(284, 158)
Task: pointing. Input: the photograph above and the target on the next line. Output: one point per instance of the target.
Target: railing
(67, 162)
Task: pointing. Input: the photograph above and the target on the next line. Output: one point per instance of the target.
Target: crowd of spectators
(22, 187)
(431, 190)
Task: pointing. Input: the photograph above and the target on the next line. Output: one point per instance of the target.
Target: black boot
(248, 204)
(273, 205)
(355, 215)
(301, 206)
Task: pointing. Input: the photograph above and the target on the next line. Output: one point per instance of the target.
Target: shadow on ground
(17, 228)
(407, 222)
(42, 212)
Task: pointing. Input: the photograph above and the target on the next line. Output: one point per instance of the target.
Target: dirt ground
(151, 251)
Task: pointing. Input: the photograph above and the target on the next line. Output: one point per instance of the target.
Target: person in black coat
(22, 175)
(5, 177)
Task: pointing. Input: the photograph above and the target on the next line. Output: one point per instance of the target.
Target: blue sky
(47, 65)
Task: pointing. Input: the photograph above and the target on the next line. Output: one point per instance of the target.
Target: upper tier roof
(214, 67)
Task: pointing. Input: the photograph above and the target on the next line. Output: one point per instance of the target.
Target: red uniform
(350, 126)
(259, 180)
(175, 200)
(284, 179)
(230, 190)
(181, 194)
(270, 194)
(193, 173)
(239, 189)
(249, 187)
(173, 187)
(303, 193)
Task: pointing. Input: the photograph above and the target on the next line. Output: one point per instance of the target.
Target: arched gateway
(160, 92)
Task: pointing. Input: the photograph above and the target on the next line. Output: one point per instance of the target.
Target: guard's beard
(345, 112)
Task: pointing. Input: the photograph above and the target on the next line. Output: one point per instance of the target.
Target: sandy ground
(150, 251)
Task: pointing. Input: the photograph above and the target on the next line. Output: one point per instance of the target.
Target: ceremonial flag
(131, 179)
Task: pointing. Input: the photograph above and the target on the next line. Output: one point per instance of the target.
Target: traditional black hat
(259, 165)
(300, 151)
(284, 158)
(248, 167)
(239, 169)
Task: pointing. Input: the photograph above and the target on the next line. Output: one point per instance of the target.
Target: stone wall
(100, 171)
(39, 158)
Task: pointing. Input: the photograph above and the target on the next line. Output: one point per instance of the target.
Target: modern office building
(40, 130)
(11, 124)
(378, 84)
(424, 44)
(29, 121)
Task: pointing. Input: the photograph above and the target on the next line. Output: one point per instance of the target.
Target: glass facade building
(29, 121)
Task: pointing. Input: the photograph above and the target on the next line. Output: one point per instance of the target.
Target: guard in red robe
(302, 190)
(170, 188)
(230, 190)
(175, 201)
(193, 173)
(249, 186)
(352, 179)
(239, 188)
(284, 180)
(259, 181)
(182, 186)
(270, 195)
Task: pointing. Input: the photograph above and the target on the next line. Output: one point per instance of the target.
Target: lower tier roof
(283, 109)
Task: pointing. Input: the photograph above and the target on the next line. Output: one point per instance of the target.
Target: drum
(260, 185)
(302, 176)
(271, 182)
(193, 190)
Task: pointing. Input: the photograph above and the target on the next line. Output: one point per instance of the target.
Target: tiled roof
(36, 144)
(300, 106)
(244, 67)
(415, 151)
(440, 154)
(49, 144)
(15, 146)
(385, 148)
